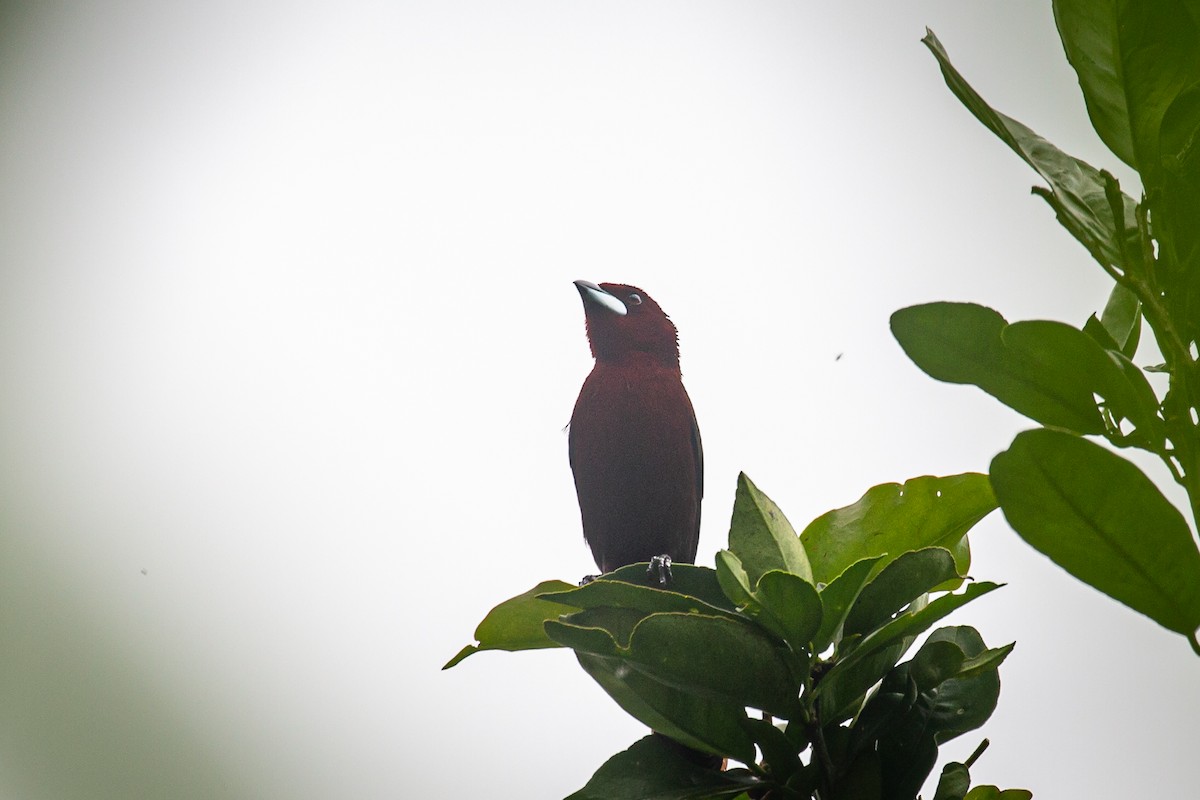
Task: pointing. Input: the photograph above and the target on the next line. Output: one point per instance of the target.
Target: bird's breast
(636, 458)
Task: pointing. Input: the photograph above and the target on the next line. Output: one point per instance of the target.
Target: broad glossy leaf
(939, 698)
(699, 722)
(1076, 193)
(862, 779)
(735, 583)
(988, 792)
(909, 624)
(1122, 320)
(964, 637)
(836, 599)
(777, 750)
(785, 604)
(906, 757)
(605, 591)
(899, 583)
(1122, 386)
(954, 782)
(987, 661)
(1090, 36)
(687, 579)
(1095, 329)
(761, 536)
(1138, 67)
(654, 769)
(1133, 58)
(960, 704)
(517, 623)
(937, 661)
(920, 704)
(617, 622)
(718, 657)
(844, 689)
(890, 701)
(600, 631)
(1048, 371)
(791, 604)
(1178, 208)
(1137, 401)
(1098, 517)
(891, 519)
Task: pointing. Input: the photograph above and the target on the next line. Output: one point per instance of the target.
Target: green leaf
(907, 754)
(790, 606)
(1077, 190)
(1100, 335)
(1124, 389)
(936, 662)
(842, 691)
(960, 704)
(1176, 211)
(608, 591)
(837, 598)
(1133, 59)
(987, 661)
(1091, 39)
(654, 769)
(921, 703)
(1122, 320)
(899, 583)
(1136, 395)
(1138, 67)
(861, 779)
(686, 579)
(1098, 517)
(910, 623)
(717, 657)
(600, 631)
(727, 659)
(889, 704)
(517, 623)
(761, 536)
(777, 750)
(697, 721)
(735, 583)
(1048, 371)
(1133, 398)
(993, 793)
(891, 519)
(954, 783)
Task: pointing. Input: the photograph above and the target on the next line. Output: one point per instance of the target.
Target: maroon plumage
(634, 444)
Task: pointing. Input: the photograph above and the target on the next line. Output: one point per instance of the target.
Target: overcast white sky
(288, 341)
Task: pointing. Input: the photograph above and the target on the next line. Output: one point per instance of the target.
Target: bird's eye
(635, 299)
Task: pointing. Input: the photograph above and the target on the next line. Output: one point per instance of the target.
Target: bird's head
(623, 321)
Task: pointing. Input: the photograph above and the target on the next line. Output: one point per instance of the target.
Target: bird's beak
(594, 295)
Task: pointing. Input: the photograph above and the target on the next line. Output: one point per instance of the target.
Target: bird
(634, 445)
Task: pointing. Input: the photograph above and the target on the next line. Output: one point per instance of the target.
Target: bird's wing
(698, 455)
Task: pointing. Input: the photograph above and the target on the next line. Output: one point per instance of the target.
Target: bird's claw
(586, 579)
(659, 569)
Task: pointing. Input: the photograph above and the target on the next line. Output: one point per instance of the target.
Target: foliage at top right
(1090, 510)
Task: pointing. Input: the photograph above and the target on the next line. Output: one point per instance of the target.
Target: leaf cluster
(786, 658)
(1089, 509)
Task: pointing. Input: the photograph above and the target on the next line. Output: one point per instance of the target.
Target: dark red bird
(634, 444)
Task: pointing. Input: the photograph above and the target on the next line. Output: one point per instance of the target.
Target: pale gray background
(288, 341)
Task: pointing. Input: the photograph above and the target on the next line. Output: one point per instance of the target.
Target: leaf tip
(931, 41)
(466, 651)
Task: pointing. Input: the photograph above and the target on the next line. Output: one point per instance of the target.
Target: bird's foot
(586, 579)
(660, 569)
